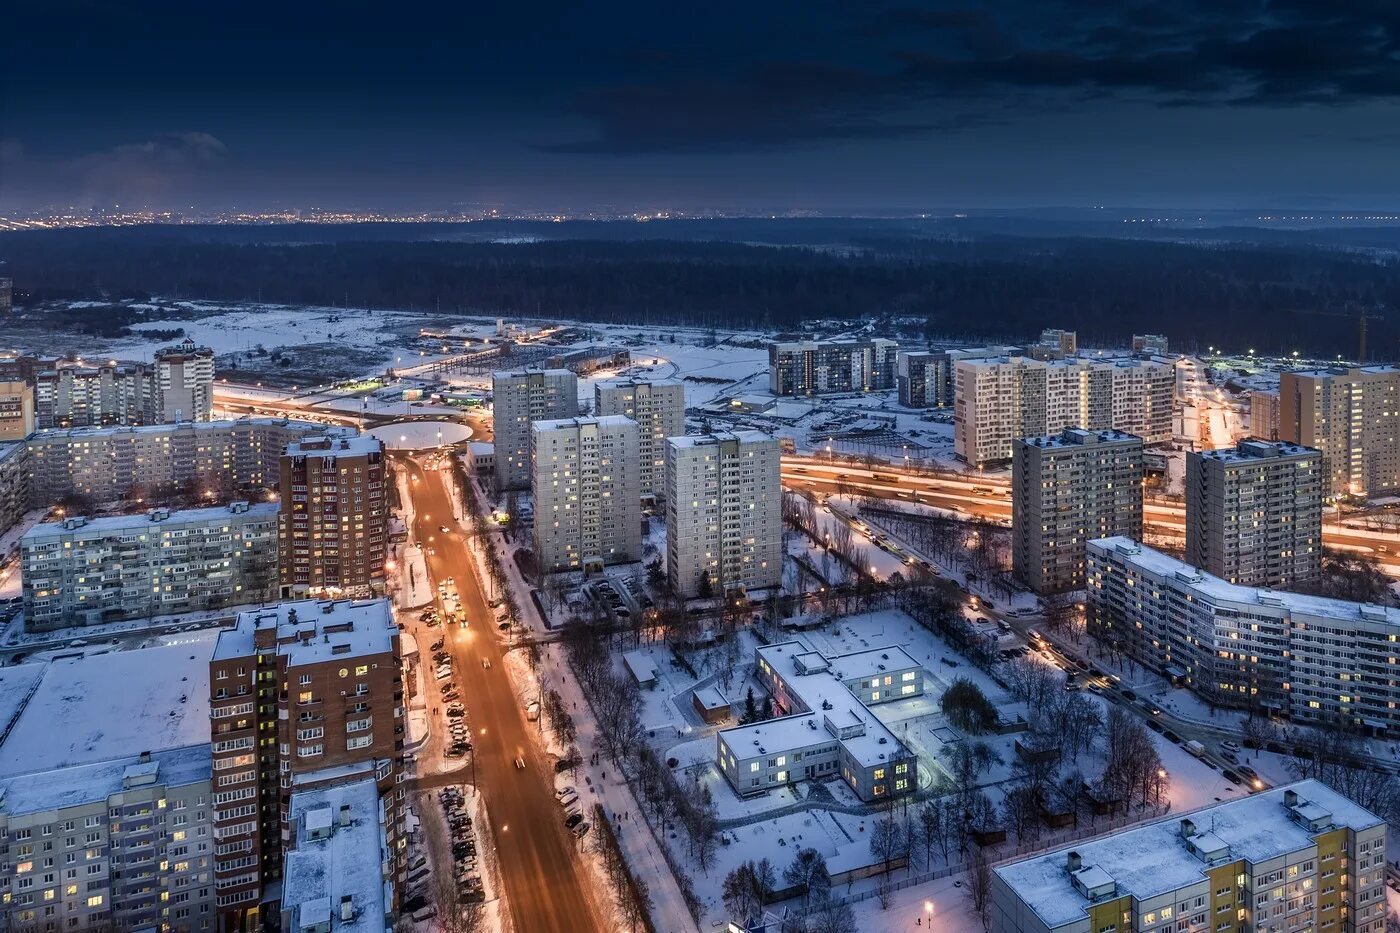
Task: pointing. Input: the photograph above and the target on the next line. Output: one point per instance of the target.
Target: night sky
(831, 106)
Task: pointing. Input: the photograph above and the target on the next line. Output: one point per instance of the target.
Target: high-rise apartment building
(73, 394)
(724, 526)
(1289, 859)
(16, 410)
(1254, 513)
(1307, 658)
(518, 400)
(106, 798)
(81, 571)
(333, 875)
(14, 484)
(823, 367)
(1263, 414)
(184, 382)
(1353, 417)
(588, 509)
(658, 407)
(923, 379)
(1063, 342)
(1068, 489)
(333, 526)
(213, 458)
(1000, 400)
(304, 696)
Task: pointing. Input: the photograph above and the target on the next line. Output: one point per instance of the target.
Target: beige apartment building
(1000, 400)
(334, 522)
(1068, 489)
(1254, 513)
(304, 698)
(1295, 859)
(518, 399)
(658, 407)
(724, 525)
(16, 410)
(184, 382)
(1353, 417)
(1264, 414)
(588, 509)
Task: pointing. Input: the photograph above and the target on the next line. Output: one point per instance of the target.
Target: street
(539, 866)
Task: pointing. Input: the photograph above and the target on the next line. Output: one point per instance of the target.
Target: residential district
(593, 627)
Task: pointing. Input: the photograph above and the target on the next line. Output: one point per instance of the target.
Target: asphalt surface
(541, 872)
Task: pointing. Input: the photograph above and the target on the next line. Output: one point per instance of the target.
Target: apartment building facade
(1151, 345)
(518, 400)
(333, 526)
(216, 458)
(658, 407)
(724, 528)
(588, 510)
(81, 571)
(924, 379)
(849, 741)
(304, 696)
(16, 410)
(1066, 490)
(1353, 417)
(336, 872)
(14, 484)
(826, 367)
(1295, 859)
(1264, 415)
(184, 382)
(1254, 513)
(106, 793)
(1000, 400)
(1307, 658)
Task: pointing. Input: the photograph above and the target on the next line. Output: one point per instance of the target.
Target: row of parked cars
(456, 712)
(463, 841)
(573, 811)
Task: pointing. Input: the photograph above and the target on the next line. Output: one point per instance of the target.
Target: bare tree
(979, 887)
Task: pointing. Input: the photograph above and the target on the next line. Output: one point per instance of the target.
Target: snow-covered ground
(417, 435)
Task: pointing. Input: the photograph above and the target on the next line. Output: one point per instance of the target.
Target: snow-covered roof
(1253, 450)
(312, 630)
(871, 662)
(1153, 859)
(628, 382)
(481, 448)
(154, 519)
(335, 445)
(1079, 437)
(1218, 591)
(107, 707)
(88, 783)
(714, 439)
(710, 698)
(165, 428)
(348, 862)
(563, 424)
(641, 666)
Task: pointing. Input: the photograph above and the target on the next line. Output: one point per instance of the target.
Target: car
(1230, 746)
(573, 820)
(436, 646)
(563, 792)
(1033, 635)
(1095, 688)
(455, 751)
(486, 663)
(519, 763)
(1232, 777)
(444, 529)
(564, 764)
(1229, 756)
(456, 711)
(503, 626)
(1247, 771)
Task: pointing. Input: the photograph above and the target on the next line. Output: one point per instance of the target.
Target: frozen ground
(416, 435)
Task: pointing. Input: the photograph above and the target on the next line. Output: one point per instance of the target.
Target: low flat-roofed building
(1301, 857)
(338, 870)
(825, 728)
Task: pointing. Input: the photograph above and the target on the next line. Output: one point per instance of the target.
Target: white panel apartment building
(1254, 513)
(106, 803)
(82, 571)
(518, 400)
(1068, 489)
(723, 512)
(1353, 417)
(218, 457)
(1309, 658)
(588, 510)
(824, 728)
(1000, 400)
(1295, 859)
(821, 367)
(658, 407)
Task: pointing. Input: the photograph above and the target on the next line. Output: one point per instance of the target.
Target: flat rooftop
(1220, 591)
(310, 631)
(1254, 450)
(123, 524)
(1075, 438)
(346, 862)
(105, 707)
(1152, 859)
(224, 425)
(335, 445)
(88, 783)
(714, 439)
(565, 424)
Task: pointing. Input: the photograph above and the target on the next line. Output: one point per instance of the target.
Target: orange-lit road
(540, 870)
(993, 501)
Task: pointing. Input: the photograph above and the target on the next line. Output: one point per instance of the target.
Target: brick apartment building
(333, 526)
